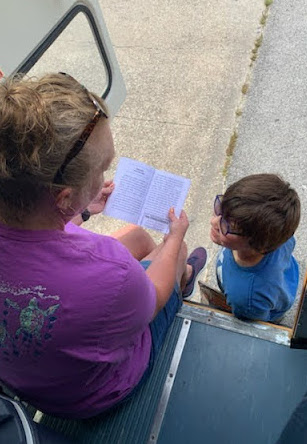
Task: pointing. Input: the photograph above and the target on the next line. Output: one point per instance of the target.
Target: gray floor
(232, 389)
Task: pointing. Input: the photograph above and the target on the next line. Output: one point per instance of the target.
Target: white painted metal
(24, 25)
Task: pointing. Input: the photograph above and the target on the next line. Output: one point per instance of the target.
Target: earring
(69, 213)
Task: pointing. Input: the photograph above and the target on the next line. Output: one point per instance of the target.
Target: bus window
(74, 51)
(61, 36)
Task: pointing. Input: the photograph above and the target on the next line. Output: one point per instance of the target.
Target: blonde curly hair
(40, 121)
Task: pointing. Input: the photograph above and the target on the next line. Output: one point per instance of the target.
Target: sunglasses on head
(77, 147)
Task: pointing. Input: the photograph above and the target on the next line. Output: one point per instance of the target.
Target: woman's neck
(36, 222)
(247, 257)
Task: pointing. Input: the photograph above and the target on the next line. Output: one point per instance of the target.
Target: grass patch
(263, 19)
(232, 144)
(258, 42)
(229, 152)
(244, 88)
(226, 166)
(254, 54)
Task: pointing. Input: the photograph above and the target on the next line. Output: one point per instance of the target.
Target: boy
(254, 222)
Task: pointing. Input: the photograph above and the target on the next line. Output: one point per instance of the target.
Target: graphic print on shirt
(26, 323)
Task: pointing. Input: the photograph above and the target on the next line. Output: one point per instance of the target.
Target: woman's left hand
(98, 204)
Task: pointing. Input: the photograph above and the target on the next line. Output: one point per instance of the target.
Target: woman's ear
(63, 199)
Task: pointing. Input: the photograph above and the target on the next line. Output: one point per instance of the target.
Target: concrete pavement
(184, 64)
(272, 132)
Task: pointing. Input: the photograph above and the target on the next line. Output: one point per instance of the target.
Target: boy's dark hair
(264, 208)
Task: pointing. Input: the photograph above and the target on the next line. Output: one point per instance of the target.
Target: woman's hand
(169, 261)
(98, 204)
(178, 225)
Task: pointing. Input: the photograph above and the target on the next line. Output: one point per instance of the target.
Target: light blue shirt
(264, 291)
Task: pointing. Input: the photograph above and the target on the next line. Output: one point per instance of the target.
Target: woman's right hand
(98, 204)
(178, 225)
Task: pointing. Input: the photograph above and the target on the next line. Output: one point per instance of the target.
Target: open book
(144, 195)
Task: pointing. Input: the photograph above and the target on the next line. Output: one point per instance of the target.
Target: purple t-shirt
(75, 310)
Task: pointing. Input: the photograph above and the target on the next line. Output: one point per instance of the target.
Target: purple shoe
(197, 260)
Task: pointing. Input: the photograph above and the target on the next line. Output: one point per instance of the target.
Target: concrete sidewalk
(273, 130)
(184, 64)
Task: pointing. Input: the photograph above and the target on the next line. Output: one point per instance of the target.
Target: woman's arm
(171, 257)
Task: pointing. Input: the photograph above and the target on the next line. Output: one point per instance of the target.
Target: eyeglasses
(75, 150)
(224, 225)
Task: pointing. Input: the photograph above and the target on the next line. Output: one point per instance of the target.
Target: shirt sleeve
(132, 308)
(254, 305)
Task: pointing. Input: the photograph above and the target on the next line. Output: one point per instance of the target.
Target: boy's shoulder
(283, 254)
(279, 262)
(289, 244)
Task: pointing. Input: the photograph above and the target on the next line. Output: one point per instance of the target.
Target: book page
(132, 180)
(166, 190)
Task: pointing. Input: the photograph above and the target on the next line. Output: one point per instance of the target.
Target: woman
(81, 319)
